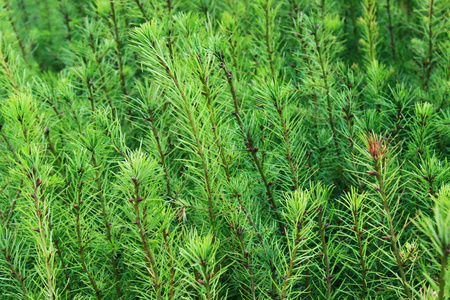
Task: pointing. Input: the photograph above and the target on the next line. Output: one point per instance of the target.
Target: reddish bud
(202, 282)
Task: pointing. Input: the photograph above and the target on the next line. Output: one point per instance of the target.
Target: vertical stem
(52, 149)
(198, 142)
(23, 9)
(172, 269)
(162, 156)
(267, 38)
(13, 205)
(298, 228)
(19, 277)
(81, 8)
(444, 264)
(371, 35)
(391, 28)
(63, 264)
(246, 256)
(361, 254)
(14, 27)
(43, 237)
(258, 234)
(430, 39)
(287, 143)
(66, 19)
(393, 236)
(249, 142)
(328, 97)
(106, 222)
(98, 60)
(8, 71)
(91, 98)
(325, 252)
(149, 258)
(119, 48)
(355, 27)
(80, 241)
(207, 279)
(207, 93)
(141, 8)
(10, 147)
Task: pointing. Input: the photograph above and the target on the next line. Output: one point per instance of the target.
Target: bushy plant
(224, 149)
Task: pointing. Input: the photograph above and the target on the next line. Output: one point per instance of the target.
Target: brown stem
(106, 222)
(246, 256)
(298, 229)
(141, 8)
(430, 39)
(172, 269)
(52, 149)
(66, 20)
(14, 27)
(8, 72)
(149, 258)
(43, 237)
(198, 142)
(382, 190)
(119, 48)
(91, 98)
(63, 264)
(325, 252)
(258, 234)
(81, 245)
(361, 254)
(162, 156)
(391, 31)
(287, 143)
(13, 205)
(328, 97)
(19, 277)
(267, 39)
(355, 27)
(370, 22)
(10, 147)
(98, 59)
(249, 142)
(207, 93)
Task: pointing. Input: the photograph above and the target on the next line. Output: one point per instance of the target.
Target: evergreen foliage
(224, 149)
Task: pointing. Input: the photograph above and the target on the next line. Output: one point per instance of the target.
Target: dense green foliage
(224, 149)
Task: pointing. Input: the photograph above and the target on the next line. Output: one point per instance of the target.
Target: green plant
(207, 149)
